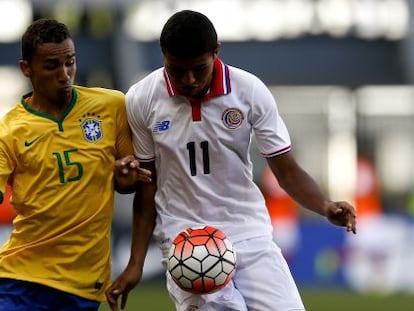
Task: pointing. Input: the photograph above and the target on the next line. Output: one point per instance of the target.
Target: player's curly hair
(42, 31)
(188, 34)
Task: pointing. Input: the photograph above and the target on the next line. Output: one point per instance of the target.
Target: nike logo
(28, 143)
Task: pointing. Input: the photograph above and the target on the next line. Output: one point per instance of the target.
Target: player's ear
(25, 68)
(217, 49)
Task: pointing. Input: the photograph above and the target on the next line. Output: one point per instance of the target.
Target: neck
(54, 108)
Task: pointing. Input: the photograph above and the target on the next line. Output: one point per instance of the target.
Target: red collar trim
(219, 86)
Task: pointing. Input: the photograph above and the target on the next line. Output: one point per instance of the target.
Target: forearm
(306, 192)
(144, 216)
(122, 187)
(299, 184)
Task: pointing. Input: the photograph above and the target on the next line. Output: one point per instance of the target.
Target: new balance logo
(28, 143)
(161, 126)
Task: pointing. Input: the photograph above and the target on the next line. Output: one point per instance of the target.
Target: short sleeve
(123, 136)
(271, 133)
(6, 164)
(137, 115)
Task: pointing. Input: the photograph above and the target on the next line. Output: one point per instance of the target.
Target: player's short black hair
(42, 31)
(188, 34)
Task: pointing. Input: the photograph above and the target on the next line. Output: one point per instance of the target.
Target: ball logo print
(201, 260)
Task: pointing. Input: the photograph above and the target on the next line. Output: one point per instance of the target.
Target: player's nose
(188, 77)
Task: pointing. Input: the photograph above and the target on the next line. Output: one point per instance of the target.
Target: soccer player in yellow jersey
(58, 149)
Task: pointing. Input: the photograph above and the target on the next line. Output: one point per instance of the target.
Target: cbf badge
(92, 130)
(232, 118)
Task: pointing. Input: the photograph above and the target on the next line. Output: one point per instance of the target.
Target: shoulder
(13, 116)
(239, 75)
(98, 91)
(146, 90)
(100, 95)
(3, 126)
(12, 123)
(147, 84)
(247, 84)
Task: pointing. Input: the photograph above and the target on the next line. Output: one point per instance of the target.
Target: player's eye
(70, 62)
(176, 70)
(200, 68)
(51, 65)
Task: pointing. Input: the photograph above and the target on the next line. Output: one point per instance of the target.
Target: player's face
(52, 72)
(191, 77)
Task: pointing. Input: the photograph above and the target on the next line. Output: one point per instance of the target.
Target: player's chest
(83, 137)
(178, 121)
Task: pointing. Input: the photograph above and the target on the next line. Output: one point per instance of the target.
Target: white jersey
(201, 151)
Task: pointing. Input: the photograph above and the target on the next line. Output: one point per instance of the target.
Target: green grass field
(151, 296)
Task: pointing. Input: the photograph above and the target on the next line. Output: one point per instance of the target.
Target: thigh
(70, 302)
(264, 278)
(11, 296)
(226, 299)
(18, 295)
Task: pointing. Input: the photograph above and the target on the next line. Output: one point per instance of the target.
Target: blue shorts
(18, 295)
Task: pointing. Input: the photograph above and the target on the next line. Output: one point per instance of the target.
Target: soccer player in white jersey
(192, 123)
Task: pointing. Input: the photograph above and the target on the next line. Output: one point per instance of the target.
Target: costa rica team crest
(232, 118)
(92, 130)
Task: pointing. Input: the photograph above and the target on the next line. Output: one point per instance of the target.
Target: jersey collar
(219, 86)
(47, 116)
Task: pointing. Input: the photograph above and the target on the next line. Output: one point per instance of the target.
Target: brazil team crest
(92, 130)
(232, 118)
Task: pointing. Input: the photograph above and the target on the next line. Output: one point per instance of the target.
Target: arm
(300, 186)
(127, 170)
(144, 215)
(128, 173)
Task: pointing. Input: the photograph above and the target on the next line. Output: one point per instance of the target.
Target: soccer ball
(201, 260)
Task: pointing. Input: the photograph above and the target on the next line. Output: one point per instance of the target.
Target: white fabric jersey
(201, 151)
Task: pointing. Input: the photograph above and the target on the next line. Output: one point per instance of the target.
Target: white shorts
(262, 282)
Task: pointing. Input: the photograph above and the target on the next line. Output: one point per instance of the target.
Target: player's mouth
(66, 88)
(189, 90)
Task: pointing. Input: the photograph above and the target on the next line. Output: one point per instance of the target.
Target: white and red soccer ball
(201, 260)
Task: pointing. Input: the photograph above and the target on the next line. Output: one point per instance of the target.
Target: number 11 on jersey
(191, 147)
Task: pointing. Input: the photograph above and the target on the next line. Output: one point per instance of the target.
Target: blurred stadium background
(342, 72)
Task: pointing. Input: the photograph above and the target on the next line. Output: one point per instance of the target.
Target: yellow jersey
(62, 178)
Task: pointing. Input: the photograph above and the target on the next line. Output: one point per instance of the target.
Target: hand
(128, 172)
(130, 165)
(342, 214)
(121, 287)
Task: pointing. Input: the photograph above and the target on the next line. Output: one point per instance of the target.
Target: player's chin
(65, 90)
(63, 93)
(189, 91)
